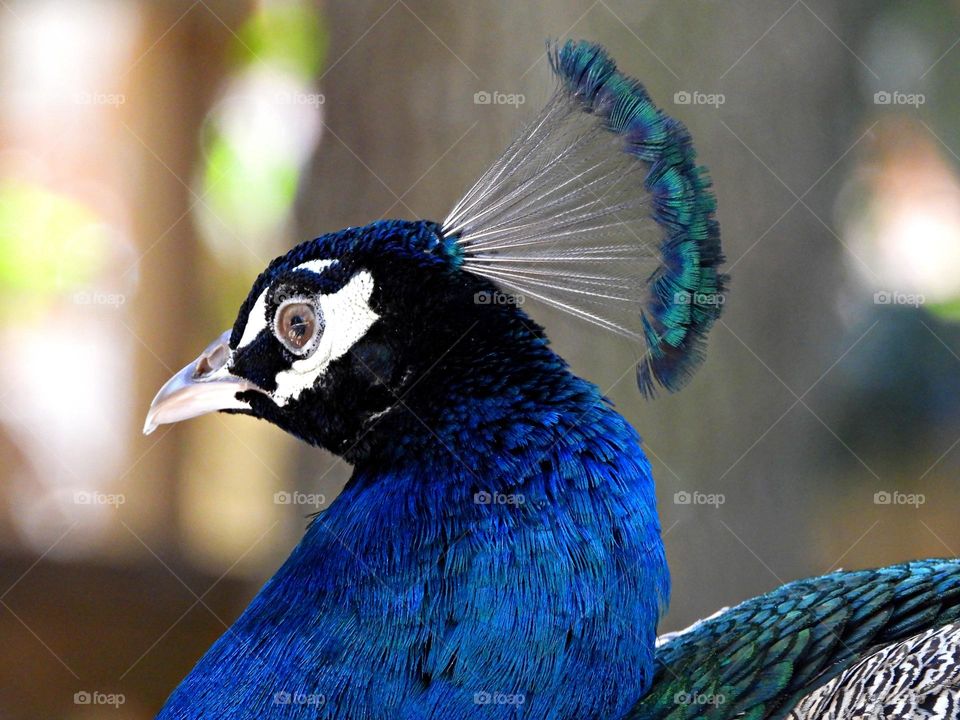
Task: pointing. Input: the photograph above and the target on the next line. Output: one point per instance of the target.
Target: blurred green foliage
(250, 181)
(49, 243)
(291, 35)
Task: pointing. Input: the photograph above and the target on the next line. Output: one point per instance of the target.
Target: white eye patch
(347, 316)
(257, 318)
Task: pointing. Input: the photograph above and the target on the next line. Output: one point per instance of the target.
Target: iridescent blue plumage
(507, 552)
(497, 552)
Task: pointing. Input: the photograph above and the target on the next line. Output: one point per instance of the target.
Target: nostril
(212, 360)
(203, 367)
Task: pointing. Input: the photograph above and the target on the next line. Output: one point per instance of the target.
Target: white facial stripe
(257, 319)
(317, 266)
(347, 316)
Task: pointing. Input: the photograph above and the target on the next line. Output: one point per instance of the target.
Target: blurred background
(154, 156)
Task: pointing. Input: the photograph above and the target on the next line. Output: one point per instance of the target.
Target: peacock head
(335, 334)
(597, 209)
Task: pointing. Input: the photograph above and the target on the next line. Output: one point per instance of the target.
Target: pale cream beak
(204, 386)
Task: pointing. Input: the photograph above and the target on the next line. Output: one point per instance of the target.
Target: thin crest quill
(599, 209)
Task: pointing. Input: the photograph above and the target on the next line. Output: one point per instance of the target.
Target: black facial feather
(436, 329)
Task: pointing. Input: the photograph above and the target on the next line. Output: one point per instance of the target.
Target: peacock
(497, 552)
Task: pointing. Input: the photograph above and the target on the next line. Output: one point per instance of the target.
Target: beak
(203, 386)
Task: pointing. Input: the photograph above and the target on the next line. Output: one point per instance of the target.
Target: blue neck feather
(517, 559)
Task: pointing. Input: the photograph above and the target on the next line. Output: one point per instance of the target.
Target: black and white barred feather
(916, 678)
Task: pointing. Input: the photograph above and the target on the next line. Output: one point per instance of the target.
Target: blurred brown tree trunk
(175, 81)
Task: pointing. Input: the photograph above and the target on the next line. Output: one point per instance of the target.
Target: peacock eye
(297, 325)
